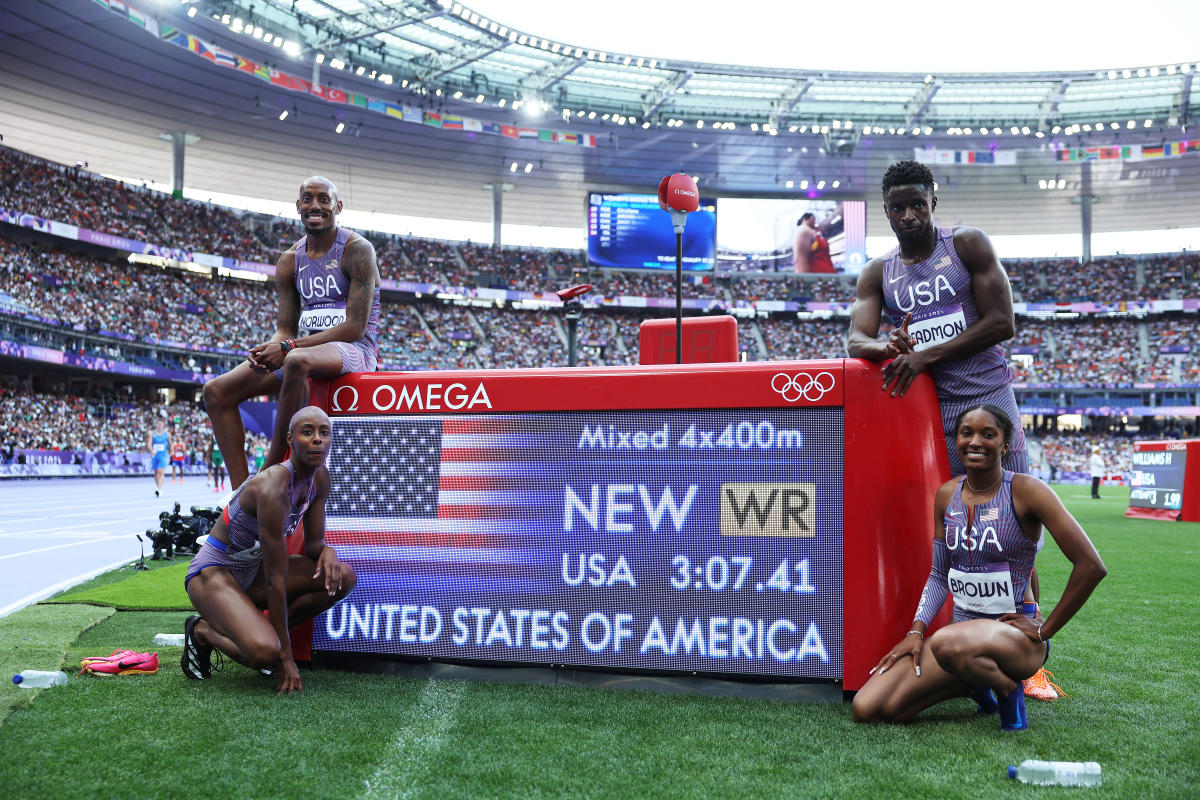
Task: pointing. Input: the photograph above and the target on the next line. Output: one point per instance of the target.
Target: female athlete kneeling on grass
(987, 530)
(244, 567)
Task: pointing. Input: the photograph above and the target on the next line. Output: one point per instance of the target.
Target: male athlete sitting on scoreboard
(328, 285)
(987, 531)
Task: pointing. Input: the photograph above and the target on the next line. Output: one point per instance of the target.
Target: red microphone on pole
(677, 195)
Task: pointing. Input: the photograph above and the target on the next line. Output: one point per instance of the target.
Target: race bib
(983, 589)
(320, 319)
(936, 326)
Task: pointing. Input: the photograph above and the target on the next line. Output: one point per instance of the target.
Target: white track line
(68, 544)
(422, 734)
(42, 594)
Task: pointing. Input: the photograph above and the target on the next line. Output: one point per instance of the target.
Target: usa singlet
(323, 289)
(938, 293)
(984, 560)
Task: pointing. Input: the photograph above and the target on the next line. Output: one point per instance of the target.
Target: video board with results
(702, 541)
(1158, 479)
(631, 231)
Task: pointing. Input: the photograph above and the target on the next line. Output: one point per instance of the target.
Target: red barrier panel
(797, 431)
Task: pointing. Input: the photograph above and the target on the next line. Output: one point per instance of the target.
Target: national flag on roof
(317, 90)
(527, 133)
(334, 95)
(377, 106)
(118, 7)
(360, 100)
(473, 125)
(491, 127)
(412, 114)
(394, 111)
(568, 138)
(452, 122)
(432, 119)
(261, 72)
(1152, 151)
(546, 136)
(244, 65)
(224, 58)
(509, 131)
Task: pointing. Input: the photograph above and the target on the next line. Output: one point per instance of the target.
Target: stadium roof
(441, 49)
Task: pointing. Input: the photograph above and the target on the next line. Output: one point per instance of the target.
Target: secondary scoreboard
(679, 519)
(1160, 481)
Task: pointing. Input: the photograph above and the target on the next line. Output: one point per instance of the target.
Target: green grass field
(1128, 661)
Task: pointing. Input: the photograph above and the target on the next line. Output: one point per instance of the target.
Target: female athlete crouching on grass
(244, 567)
(987, 530)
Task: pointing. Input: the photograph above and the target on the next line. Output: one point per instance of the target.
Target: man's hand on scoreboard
(900, 341)
(899, 374)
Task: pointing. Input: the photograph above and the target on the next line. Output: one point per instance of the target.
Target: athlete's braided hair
(996, 411)
(907, 173)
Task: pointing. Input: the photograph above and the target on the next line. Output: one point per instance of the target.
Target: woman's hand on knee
(909, 646)
(1029, 627)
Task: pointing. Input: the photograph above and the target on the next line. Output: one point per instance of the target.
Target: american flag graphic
(989, 515)
(423, 497)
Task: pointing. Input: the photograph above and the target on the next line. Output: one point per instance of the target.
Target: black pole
(678, 298)
(571, 357)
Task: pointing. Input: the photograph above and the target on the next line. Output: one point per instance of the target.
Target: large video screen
(1157, 480)
(631, 231)
(761, 234)
(683, 541)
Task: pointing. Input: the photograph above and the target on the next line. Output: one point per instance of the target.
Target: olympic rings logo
(803, 385)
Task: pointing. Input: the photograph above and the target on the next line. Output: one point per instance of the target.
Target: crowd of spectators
(1070, 451)
(32, 420)
(1089, 351)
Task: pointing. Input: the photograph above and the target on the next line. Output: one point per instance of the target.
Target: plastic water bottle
(168, 640)
(1057, 773)
(37, 679)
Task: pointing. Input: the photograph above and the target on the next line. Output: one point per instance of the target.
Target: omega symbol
(802, 385)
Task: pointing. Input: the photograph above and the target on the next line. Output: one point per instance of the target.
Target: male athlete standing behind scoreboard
(328, 285)
(951, 304)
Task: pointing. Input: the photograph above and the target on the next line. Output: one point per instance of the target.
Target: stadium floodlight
(385, 78)
(653, 63)
(1131, 124)
(1114, 125)
(1087, 128)
(641, 61)
(1154, 72)
(1042, 183)
(1056, 129)
(699, 123)
(1126, 73)
(835, 184)
(645, 125)
(803, 184)
(1062, 183)
(320, 58)
(236, 25)
(591, 115)
(361, 69)
(268, 37)
(457, 95)
(1014, 130)
(224, 19)
(1112, 74)
(1039, 134)
(479, 98)
(579, 52)
(278, 41)
(528, 168)
(1142, 72)
(1148, 123)
(1170, 69)
(191, 12)
(1025, 130)
(928, 130)
(788, 184)
(341, 126)
(512, 167)
(257, 33)
(754, 127)
(283, 115)
(803, 128)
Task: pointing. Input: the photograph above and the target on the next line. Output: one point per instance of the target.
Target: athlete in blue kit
(988, 526)
(328, 286)
(158, 443)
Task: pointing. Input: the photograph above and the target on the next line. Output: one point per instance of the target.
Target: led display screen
(631, 231)
(693, 541)
(760, 233)
(1157, 480)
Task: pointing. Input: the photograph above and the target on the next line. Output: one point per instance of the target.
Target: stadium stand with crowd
(75, 298)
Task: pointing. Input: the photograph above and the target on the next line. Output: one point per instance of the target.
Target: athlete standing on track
(328, 286)
(987, 526)
(244, 567)
(178, 457)
(157, 443)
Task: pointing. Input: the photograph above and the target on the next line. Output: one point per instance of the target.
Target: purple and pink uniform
(984, 560)
(938, 293)
(243, 555)
(324, 288)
